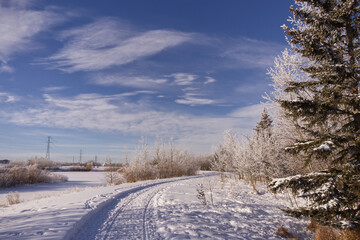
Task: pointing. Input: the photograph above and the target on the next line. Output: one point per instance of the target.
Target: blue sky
(99, 75)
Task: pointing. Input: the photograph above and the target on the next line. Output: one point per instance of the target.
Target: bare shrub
(283, 232)
(52, 177)
(312, 225)
(325, 233)
(205, 194)
(77, 169)
(163, 161)
(211, 189)
(89, 166)
(112, 175)
(43, 163)
(114, 178)
(350, 234)
(204, 162)
(22, 175)
(13, 198)
(140, 170)
(85, 167)
(73, 190)
(330, 233)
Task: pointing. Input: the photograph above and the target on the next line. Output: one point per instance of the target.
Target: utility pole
(80, 156)
(127, 155)
(48, 148)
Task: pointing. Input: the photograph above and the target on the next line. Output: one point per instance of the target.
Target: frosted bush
(42, 163)
(13, 198)
(21, 175)
(163, 161)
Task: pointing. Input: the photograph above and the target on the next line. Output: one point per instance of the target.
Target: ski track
(124, 216)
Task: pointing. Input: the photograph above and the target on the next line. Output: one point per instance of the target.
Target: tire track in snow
(116, 220)
(145, 222)
(109, 224)
(107, 220)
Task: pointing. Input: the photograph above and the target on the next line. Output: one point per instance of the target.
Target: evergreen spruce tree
(265, 123)
(326, 33)
(263, 147)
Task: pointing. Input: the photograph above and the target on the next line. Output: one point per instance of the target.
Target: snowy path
(125, 217)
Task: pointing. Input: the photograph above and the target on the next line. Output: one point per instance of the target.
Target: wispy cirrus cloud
(54, 89)
(252, 111)
(128, 80)
(8, 98)
(107, 42)
(93, 112)
(19, 25)
(251, 53)
(118, 114)
(209, 80)
(183, 78)
(148, 82)
(251, 88)
(194, 99)
(4, 67)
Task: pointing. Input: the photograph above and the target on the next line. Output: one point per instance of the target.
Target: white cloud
(251, 53)
(54, 89)
(190, 89)
(8, 98)
(252, 111)
(130, 81)
(90, 102)
(114, 113)
(129, 94)
(107, 42)
(21, 4)
(209, 80)
(183, 78)
(193, 99)
(251, 87)
(19, 25)
(91, 111)
(4, 67)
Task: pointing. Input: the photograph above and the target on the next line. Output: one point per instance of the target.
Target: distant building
(5, 161)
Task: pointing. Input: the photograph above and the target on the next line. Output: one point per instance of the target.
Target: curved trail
(128, 215)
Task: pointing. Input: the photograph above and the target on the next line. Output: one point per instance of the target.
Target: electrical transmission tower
(48, 148)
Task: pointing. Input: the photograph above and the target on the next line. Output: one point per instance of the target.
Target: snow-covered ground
(83, 208)
(77, 181)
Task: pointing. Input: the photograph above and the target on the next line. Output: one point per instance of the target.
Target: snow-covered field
(83, 208)
(77, 181)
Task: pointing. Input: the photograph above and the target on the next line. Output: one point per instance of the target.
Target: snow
(326, 146)
(77, 181)
(237, 213)
(299, 144)
(159, 209)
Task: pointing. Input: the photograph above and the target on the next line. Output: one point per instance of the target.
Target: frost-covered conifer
(266, 150)
(265, 123)
(325, 105)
